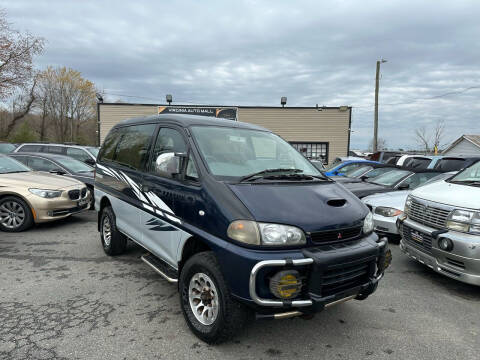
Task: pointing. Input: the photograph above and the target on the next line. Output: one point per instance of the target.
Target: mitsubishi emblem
(339, 236)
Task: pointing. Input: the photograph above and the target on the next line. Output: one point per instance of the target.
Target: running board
(165, 270)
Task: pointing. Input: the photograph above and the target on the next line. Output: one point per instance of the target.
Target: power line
(423, 99)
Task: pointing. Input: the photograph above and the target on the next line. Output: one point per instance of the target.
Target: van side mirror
(57, 171)
(169, 164)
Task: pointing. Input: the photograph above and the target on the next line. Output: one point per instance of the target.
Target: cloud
(254, 52)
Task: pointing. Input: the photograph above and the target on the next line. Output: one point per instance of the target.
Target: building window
(313, 151)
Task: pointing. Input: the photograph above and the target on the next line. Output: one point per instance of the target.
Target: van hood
(37, 179)
(301, 204)
(450, 194)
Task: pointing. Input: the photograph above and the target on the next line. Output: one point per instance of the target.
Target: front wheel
(210, 312)
(113, 241)
(15, 214)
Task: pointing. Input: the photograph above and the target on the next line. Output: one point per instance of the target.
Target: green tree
(24, 134)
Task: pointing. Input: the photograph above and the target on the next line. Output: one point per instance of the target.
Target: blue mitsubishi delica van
(237, 217)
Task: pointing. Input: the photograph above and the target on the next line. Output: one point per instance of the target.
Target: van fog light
(445, 244)
(286, 284)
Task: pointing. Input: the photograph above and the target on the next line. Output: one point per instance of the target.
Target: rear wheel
(210, 312)
(15, 214)
(113, 241)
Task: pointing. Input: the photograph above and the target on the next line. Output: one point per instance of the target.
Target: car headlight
(368, 224)
(251, 232)
(48, 194)
(408, 203)
(387, 211)
(464, 221)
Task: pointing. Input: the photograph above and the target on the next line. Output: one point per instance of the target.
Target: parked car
(318, 164)
(6, 148)
(441, 226)
(396, 179)
(87, 154)
(237, 217)
(60, 165)
(415, 161)
(340, 169)
(387, 207)
(453, 163)
(363, 173)
(29, 197)
(382, 156)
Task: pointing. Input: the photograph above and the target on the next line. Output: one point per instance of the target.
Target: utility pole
(375, 123)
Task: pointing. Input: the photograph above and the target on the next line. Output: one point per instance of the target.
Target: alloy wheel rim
(107, 231)
(203, 298)
(12, 214)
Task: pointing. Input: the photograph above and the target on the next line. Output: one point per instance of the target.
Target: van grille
(341, 277)
(428, 215)
(340, 235)
(425, 245)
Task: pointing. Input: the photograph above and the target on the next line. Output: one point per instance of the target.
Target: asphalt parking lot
(61, 297)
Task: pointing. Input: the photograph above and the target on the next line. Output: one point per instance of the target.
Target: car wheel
(113, 241)
(15, 214)
(210, 312)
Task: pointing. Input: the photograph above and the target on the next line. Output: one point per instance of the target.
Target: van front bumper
(333, 274)
(461, 263)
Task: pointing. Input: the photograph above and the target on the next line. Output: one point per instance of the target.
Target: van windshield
(469, 176)
(233, 153)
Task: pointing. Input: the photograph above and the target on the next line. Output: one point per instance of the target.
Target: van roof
(189, 120)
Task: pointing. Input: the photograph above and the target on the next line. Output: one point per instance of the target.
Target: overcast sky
(254, 52)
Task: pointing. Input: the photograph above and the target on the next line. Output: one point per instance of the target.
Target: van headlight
(408, 203)
(368, 224)
(47, 194)
(464, 221)
(253, 233)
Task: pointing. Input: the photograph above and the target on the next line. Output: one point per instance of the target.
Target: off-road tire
(28, 219)
(118, 241)
(232, 316)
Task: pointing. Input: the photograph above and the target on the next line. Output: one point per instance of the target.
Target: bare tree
(16, 57)
(438, 135)
(421, 134)
(431, 140)
(24, 105)
(381, 144)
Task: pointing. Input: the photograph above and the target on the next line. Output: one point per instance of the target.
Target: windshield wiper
(260, 174)
(296, 176)
(466, 182)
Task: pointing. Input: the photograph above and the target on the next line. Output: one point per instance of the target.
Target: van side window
(168, 141)
(191, 172)
(30, 148)
(55, 149)
(107, 151)
(78, 154)
(132, 149)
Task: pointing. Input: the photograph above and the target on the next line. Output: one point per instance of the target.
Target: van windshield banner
(221, 113)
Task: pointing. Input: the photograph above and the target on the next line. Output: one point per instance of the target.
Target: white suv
(441, 225)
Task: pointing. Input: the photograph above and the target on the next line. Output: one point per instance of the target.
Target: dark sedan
(396, 179)
(58, 164)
